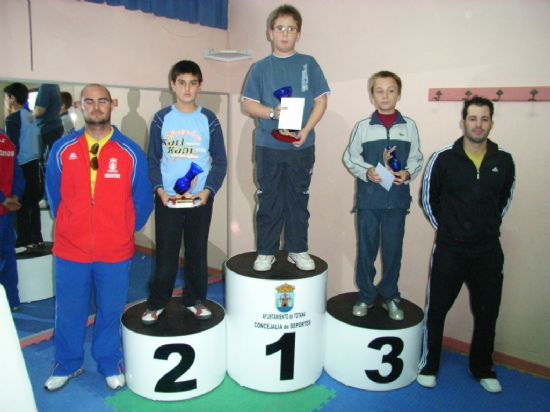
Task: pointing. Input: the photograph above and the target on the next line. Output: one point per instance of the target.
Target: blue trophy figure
(393, 162)
(182, 185)
(281, 92)
(285, 91)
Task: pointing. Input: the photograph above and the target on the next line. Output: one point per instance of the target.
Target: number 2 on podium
(168, 383)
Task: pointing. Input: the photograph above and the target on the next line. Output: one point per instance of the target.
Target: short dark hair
(66, 99)
(19, 91)
(285, 10)
(183, 67)
(384, 74)
(477, 101)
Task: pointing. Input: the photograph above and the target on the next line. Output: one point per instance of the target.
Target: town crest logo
(284, 298)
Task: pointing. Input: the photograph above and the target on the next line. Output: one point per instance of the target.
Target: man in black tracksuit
(466, 190)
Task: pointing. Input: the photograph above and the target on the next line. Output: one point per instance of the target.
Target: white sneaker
(54, 383)
(427, 381)
(263, 263)
(151, 316)
(200, 311)
(302, 260)
(491, 385)
(116, 382)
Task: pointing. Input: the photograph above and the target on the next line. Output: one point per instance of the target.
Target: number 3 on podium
(392, 358)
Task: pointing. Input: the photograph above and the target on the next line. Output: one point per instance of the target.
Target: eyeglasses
(288, 29)
(93, 160)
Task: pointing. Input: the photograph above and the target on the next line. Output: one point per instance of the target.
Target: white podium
(16, 392)
(275, 323)
(372, 352)
(46, 223)
(35, 271)
(177, 358)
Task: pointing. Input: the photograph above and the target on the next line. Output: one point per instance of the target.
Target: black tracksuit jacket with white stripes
(466, 206)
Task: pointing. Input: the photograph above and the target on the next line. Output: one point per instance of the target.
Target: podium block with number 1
(275, 323)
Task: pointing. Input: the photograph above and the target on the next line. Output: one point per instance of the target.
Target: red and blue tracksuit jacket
(98, 228)
(12, 181)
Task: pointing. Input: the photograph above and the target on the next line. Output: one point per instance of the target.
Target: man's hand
(11, 204)
(38, 111)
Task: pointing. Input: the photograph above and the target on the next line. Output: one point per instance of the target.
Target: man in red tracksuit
(99, 193)
(12, 184)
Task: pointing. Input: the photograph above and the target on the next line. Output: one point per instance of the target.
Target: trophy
(181, 187)
(393, 162)
(285, 91)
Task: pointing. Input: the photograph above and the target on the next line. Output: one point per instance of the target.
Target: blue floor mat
(38, 316)
(456, 390)
(88, 392)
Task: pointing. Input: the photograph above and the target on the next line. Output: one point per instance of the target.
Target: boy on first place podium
(284, 161)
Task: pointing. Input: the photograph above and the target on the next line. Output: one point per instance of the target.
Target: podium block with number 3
(372, 352)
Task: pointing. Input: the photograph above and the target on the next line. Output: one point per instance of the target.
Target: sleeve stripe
(129, 150)
(426, 186)
(60, 152)
(509, 201)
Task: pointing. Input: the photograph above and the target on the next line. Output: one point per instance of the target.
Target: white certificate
(385, 175)
(292, 112)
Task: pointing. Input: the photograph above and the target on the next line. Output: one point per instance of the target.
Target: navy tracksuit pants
(481, 269)
(283, 178)
(385, 228)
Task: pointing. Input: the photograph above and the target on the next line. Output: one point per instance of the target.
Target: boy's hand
(11, 204)
(387, 156)
(277, 112)
(373, 176)
(164, 197)
(401, 177)
(202, 196)
(301, 137)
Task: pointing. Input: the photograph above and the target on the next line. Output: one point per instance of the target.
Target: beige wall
(429, 43)
(79, 42)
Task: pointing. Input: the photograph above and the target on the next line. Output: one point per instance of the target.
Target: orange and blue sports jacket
(12, 181)
(98, 228)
